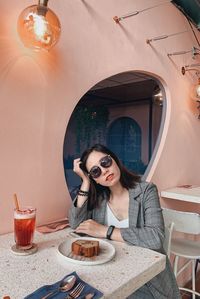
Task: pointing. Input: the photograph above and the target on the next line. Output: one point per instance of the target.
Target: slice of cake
(87, 248)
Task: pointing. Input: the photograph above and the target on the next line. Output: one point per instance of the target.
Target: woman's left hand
(92, 228)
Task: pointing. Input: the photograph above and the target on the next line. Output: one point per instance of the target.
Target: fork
(76, 291)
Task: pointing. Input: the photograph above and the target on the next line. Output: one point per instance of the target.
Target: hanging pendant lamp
(39, 27)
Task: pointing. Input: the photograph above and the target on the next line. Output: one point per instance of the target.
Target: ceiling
(121, 89)
(121, 79)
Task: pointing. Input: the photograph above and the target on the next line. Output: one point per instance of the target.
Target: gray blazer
(146, 229)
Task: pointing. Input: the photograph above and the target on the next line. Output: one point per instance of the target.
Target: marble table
(130, 268)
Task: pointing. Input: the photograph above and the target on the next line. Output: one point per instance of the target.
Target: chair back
(168, 238)
(185, 222)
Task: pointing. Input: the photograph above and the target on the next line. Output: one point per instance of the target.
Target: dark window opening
(120, 112)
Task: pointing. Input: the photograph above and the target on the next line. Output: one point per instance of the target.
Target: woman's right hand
(77, 169)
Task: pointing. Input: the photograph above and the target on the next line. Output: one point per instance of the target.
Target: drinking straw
(16, 201)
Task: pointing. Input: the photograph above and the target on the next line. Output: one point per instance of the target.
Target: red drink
(24, 227)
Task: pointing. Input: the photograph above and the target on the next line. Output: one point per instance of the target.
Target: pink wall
(40, 90)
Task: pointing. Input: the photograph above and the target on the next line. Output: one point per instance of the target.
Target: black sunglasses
(104, 162)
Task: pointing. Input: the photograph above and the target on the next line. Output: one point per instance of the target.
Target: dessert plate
(107, 252)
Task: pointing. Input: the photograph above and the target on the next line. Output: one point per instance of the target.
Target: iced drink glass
(24, 227)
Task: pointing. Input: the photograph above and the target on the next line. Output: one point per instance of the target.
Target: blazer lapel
(134, 205)
(99, 214)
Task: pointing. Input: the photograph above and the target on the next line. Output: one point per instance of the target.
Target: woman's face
(109, 175)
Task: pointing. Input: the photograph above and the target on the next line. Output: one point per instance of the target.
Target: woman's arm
(78, 211)
(150, 228)
(77, 215)
(85, 186)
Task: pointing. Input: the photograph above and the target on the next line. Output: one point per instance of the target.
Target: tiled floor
(188, 295)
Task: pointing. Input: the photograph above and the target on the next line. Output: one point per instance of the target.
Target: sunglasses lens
(95, 172)
(106, 161)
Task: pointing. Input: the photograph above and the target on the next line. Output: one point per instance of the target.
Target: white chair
(188, 223)
(168, 238)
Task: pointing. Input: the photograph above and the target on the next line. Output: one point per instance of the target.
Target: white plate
(107, 252)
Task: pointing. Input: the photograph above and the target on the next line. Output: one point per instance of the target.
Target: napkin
(44, 290)
(53, 226)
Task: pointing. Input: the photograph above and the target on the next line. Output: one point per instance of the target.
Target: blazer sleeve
(77, 215)
(148, 230)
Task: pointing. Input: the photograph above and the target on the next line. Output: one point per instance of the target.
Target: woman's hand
(78, 170)
(92, 228)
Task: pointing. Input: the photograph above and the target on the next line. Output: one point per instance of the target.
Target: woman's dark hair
(127, 179)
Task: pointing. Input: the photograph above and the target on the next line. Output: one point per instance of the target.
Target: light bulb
(198, 89)
(38, 27)
(157, 96)
(195, 91)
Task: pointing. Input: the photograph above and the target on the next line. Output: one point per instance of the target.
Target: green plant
(90, 125)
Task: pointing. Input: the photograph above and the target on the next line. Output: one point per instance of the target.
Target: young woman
(113, 203)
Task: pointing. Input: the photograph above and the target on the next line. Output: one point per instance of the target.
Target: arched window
(122, 112)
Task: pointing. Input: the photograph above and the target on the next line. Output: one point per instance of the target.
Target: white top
(187, 193)
(116, 279)
(111, 219)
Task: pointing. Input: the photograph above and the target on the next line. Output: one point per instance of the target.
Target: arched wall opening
(126, 113)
